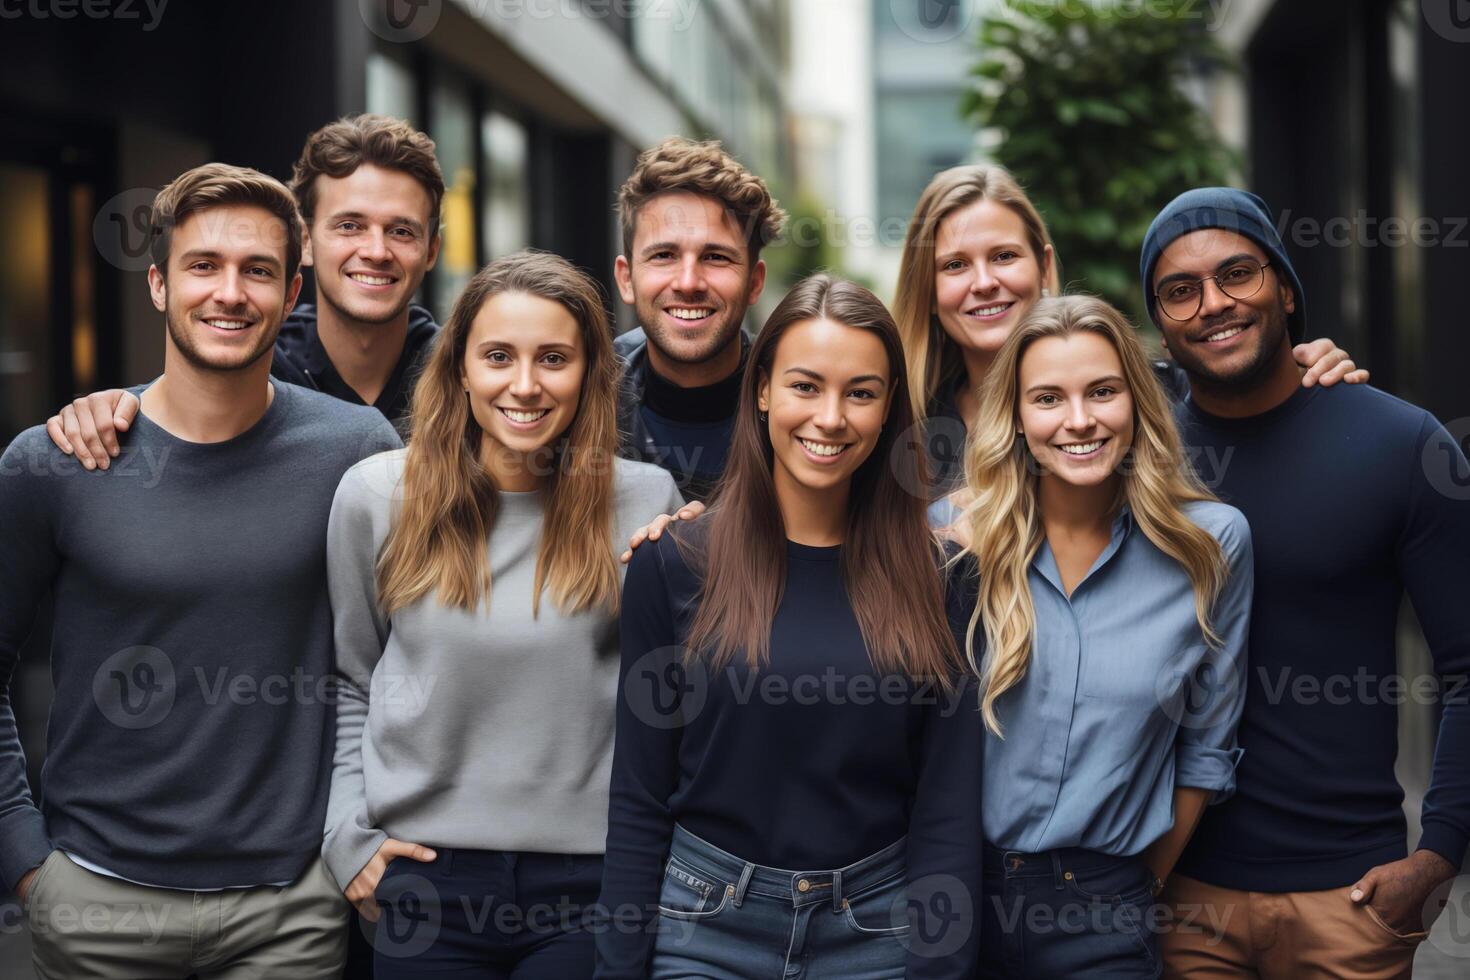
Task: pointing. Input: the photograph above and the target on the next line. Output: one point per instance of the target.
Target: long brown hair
(889, 560)
(449, 499)
(932, 355)
(1004, 518)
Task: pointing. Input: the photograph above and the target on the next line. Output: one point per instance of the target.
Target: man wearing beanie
(1353, 497)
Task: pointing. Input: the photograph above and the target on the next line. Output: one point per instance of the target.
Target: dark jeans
(1067, 913)
(487, 915)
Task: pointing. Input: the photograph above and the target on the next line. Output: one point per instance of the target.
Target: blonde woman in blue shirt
(1113, 598)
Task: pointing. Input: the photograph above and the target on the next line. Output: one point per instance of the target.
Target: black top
(685, 430)
(301, 359)
(1352, 496)
(815, 762)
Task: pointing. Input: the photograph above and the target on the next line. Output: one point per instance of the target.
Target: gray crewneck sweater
(489, 729)
(190, 739)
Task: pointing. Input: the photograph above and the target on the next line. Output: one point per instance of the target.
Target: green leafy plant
(1086, 106)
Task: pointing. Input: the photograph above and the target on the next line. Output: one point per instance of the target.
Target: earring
(1045, 292)
(763, 416)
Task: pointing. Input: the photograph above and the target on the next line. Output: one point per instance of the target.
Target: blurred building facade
(538, 108)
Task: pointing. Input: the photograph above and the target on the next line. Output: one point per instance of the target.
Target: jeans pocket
(689, 893)
(881, 910)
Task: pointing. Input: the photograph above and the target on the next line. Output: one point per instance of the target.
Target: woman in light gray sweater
(474, 587)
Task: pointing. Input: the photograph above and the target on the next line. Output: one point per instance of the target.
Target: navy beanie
(1234, 210)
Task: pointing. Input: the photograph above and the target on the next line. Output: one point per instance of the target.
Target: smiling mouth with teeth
(687, 312)
(516, 415)
(1220, 335)
(992, 310)
(1082, 448)
(368, 280)
(822, 448)
(227, 324)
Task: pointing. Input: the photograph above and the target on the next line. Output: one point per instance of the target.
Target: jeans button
(803, 885)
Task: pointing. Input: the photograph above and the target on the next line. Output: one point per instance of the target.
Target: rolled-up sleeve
(1206, 752)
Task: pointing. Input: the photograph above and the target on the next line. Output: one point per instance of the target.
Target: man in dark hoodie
(694, 222)
(370, 190)
(1354, 497)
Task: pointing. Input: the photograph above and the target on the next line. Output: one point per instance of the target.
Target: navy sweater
(1353, 496)
(815, 762)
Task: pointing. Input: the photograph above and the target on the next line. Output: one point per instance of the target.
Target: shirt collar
(1045, 562)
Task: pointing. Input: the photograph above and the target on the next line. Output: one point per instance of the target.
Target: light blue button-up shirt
(1123, 701)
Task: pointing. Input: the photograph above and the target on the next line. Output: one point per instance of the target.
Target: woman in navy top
(1113, 597)
(797, 759)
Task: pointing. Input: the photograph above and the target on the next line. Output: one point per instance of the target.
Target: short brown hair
(216, 185)
(680, 164)
(339, 148)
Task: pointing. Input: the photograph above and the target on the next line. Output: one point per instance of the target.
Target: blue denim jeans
(724, 918)
(1067, 913)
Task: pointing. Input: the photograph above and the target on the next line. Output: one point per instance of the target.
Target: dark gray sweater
(189, 743)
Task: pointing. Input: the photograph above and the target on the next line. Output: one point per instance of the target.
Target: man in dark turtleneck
(694, 221)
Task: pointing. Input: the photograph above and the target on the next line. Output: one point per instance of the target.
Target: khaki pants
(1219, 933)
(86, 925)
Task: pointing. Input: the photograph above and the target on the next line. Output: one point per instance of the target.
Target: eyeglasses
(1181, 299)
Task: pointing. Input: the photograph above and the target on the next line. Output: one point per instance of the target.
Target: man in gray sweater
(189, 744)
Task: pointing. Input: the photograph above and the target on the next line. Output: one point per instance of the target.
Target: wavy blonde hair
(932, 355)
(1004, 517)
(438, 537)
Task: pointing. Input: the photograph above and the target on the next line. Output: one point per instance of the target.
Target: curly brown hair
(339, 148)
(215, 185)
(701, 167)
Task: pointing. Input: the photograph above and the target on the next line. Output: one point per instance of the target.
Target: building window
(505, 204)
(452, 124)
(390, 88)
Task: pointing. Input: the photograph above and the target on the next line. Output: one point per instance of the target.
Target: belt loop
(745, 874)
(1056, 870)
(837, 891)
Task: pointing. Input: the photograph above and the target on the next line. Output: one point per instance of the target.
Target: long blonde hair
(1004, 517)
(449, 500)
(931, 354)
